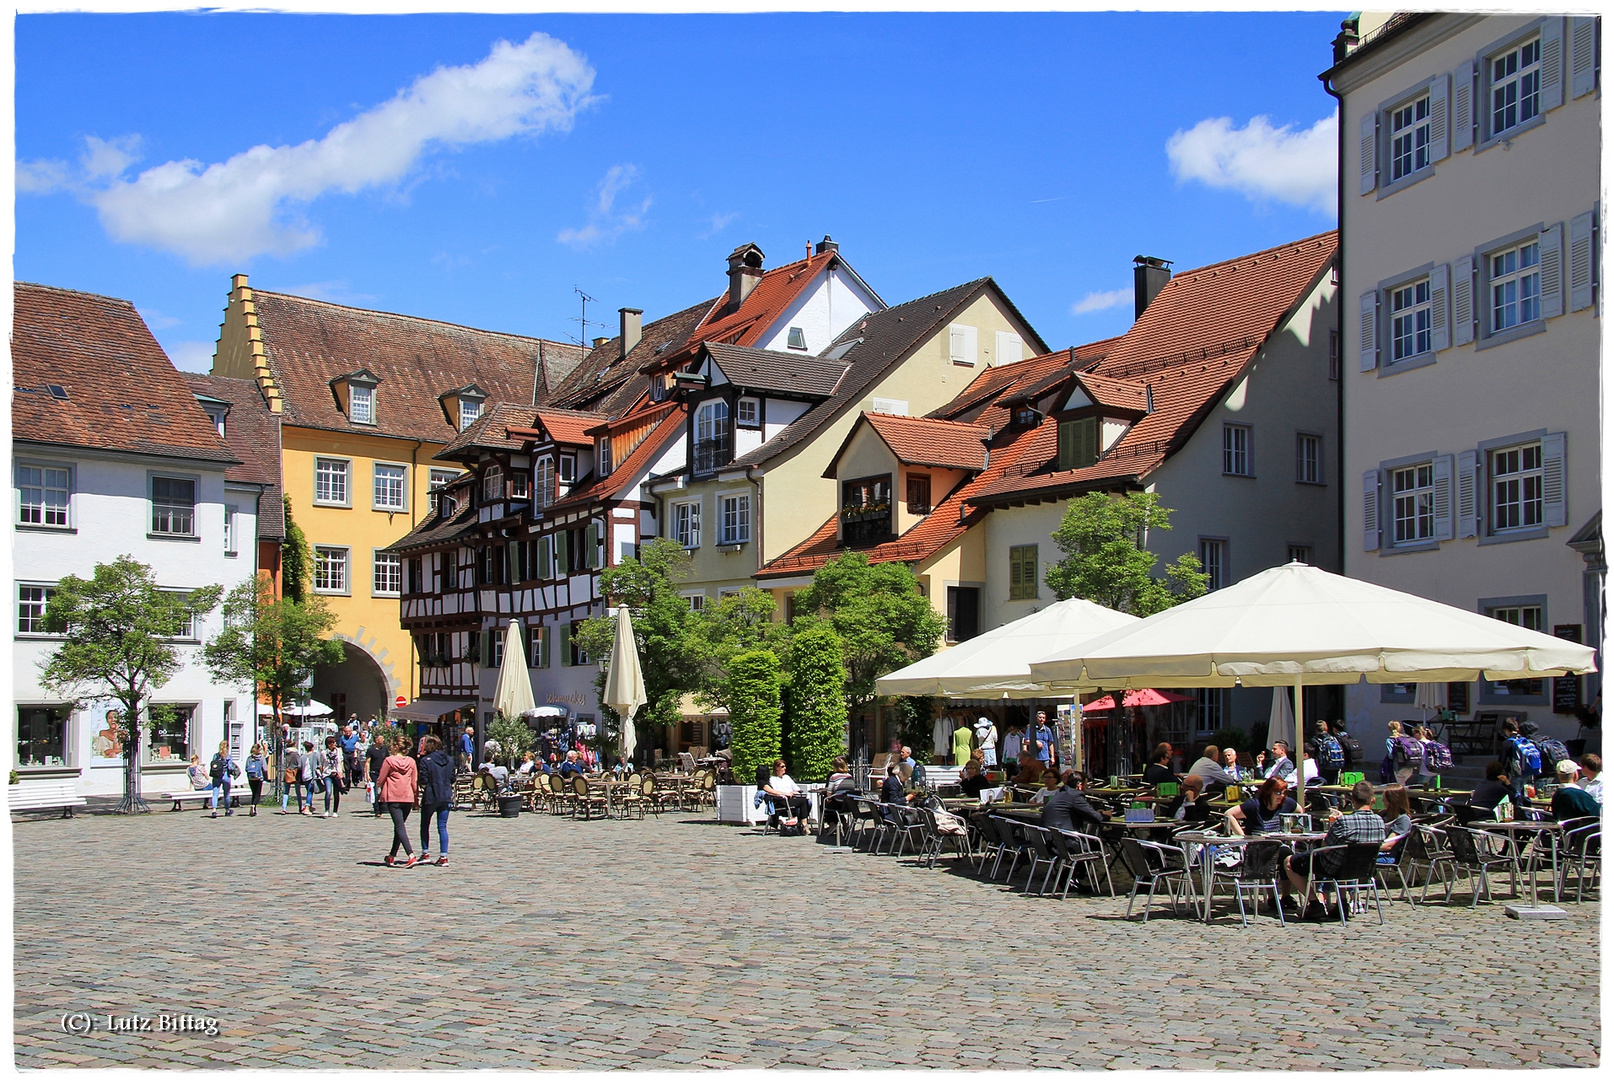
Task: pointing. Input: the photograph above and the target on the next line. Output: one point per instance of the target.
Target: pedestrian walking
(221, 771)
(291, 775)
(372, 761)
(313, 767)
(335, 777)
(396, 788)
(467, 760)
(436, 796)
(350, 750)
(257, 773)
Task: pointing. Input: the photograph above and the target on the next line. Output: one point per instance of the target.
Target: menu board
(1566, 690)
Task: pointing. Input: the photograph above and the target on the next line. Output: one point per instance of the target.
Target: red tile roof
(569, 426)
(670, 427)
(252, 433)
(921, 440)
(118, 389)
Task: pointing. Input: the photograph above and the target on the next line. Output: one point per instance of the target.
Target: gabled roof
(310, 342)
(785, 373)
(1117, 395)
(490, 431)
(606, 381)
(252, 433)
(922, 440)
(878, 343)
(87, 373)
(435, 529)
(570, 427)
(988, 400)
(670, 427)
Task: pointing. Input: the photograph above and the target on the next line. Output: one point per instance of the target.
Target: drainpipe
(414, 658)
(1339, 309)
(756, 518)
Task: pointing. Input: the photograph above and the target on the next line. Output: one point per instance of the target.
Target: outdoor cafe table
(1209, 843)
(1549, 832)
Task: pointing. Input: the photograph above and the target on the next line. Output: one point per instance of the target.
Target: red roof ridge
(1314, 240)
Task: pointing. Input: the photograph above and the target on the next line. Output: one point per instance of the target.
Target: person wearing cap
(986, 741)
(1571, 800)
(1591, 776)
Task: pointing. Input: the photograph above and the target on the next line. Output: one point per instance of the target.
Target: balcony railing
(712, 453)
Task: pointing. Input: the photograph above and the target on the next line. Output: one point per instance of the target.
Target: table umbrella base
(1535, 911)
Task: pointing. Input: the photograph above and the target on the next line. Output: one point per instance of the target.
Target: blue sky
(410, 164)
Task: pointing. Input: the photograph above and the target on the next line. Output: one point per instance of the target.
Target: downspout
(1339, 308)
(751, 478)
(414, 653)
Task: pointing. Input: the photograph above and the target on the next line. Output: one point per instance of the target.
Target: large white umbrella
(513, 694)
(313, 708)
(1298, 625)
(624, 680)
(997, 663)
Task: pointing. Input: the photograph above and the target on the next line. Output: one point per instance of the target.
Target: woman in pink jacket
(395, 789)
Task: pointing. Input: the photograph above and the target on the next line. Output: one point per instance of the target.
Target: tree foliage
(817, 720)
(296, 559)
(877, 611)
(514, 737)
(118, 634)
(1102, 537)
(738, 622)
(755, 682)
(271, 645)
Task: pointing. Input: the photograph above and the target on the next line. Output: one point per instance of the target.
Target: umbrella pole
(1300, 741)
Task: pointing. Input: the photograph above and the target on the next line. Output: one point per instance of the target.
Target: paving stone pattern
(674, 943)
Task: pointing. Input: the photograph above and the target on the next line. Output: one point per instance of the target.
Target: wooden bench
(203, 796)
(45, 795)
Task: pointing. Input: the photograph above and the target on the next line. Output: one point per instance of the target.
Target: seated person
(1159, 771)
(1230, 762)
(1067, 808)
(1050, 784)
(1029, 774)
(891, 786)
(974, 780)
(1193, 804)
(1397, 815)
(497, 773)
(1571, 800)
(527, 764)
(572, 766)
(1209, 769)
(1591, 776)
(1493, 789)
(788, 800)
(1263, 812)
(1360, 826)
(1280, 766)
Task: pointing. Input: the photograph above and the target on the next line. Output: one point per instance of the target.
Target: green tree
(296, 560)
(513, 736)
(915, 719)
(737, 623)
(882, 619)
(119, 631)
(755, 682)
(272, 645)
(1105, 561)
(817, 720)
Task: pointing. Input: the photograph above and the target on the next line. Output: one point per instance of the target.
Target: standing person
(372, 762)
(1328, 751)
(1043, 737)
(467, 749)
(350, 751)
(335, 776)
(963, 743)
(222, 770)
(436, 796)
(291, 774)
(257, 773)
(313, 767)
(1520, 755)
(396, 788)
(986, 741)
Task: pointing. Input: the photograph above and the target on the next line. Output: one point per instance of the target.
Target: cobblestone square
(677, 943)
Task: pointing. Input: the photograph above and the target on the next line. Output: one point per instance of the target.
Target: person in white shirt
(1591, 776)
(986, 740)
(785, 790)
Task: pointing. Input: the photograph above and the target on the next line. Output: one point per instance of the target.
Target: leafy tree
(1105, 561)
(737, 623)
(272, 645)
(513, 736)
(296, 560)
(915, 719)
(755, 681)
(119, 632)
(817, 713)
(879, 614)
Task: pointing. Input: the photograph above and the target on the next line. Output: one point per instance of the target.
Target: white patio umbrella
(313, 708)
(1298, 625)
(1430, 697)
(513, 694)
(997, 663)
(624, 680)
(1281, 722)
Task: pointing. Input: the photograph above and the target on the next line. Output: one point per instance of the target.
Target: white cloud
(605, 221)
(42, 177)
(190, 355)
(1260, 161)
(717, 223)
(1101, 301)
(229, 211)
(156, 320)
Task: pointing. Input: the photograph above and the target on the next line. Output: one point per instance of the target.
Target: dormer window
(1078, 443)
(469, 412)
(566, 471)
(1026, 416)
(518, 484)
(796, 339)
(545, 488)
(355, 395)
(360, 409)
(462, 407)
(492, 484)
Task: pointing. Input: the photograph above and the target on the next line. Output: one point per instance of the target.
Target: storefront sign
(553, 698)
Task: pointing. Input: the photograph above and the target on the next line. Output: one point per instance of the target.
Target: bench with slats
(201, 796)
(45, 795)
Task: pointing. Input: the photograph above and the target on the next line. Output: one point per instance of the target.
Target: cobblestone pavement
(673, 943)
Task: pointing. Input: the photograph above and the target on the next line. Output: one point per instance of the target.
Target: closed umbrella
(1430, 698)
(1281, 723)
(624, 680)
(513, 695)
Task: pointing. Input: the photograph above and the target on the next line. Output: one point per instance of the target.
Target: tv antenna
(583, 321)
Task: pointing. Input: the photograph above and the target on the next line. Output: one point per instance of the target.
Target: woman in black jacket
(436, 796)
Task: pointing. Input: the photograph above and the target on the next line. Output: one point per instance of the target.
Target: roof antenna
(583, 321)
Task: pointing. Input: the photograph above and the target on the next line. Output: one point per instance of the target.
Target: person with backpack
(1436, 754)
(222, 770)
(257, 773)
(1403, 752)
(1521, 756)
(1328, 751)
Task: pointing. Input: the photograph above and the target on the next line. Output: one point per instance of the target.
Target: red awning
(1134, 699)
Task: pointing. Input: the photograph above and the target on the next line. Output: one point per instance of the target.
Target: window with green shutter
(565, 630)
(1023, 572)
(1078, 443)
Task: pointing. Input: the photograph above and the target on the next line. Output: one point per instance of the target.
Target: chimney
(631, 323)
(1149, 276)
(826, 244)
(599, 341)
(745, 270)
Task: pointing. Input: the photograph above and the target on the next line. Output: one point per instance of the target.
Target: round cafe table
(1210, 842)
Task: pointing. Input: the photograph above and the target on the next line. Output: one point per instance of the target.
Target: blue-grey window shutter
(1439, 319)
(1462, 106)
(1552, 270)
(1442, 467)
(1467, 514)
(1368, 356)
(1554, 499)
(1582, 55)
(1439, 116)
(1462, 301)
(1552, 63)
(1368, 154)
(565, 643)
(1580, 261)
(1370, 510)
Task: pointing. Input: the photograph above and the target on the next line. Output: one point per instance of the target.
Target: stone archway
(358, 687)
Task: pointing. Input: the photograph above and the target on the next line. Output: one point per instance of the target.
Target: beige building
(1471, 178)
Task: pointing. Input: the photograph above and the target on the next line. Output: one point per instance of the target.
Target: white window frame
(231, 523)
(566, 469)
(378, 562)
(1523, 78)
(1408, 137)
(734, 517)
(1309, 458)
(1411, 315)
(684, 523)
(696, 599)
(196, 498)
(345, 565)
(376, 503)
(1215, 567)
(436, 481)
(1238, 460)
(470, 411)
(519, 484)
(748, 413)
(345, 500)
(1515, 692)
(44, 487)
(544, 486)
(355, 395)
(492, 484)
(603, 455)
(1410, 489)
(1513, 285)
(963, 344)
(46, 591)
(1525, 475)
(796, 338)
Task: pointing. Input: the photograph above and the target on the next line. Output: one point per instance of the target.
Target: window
(735, 512)
(173, 506)
(41, 735)
(391, 487)
(330, 482)
(170, 738)
(1516, 488)
(963, 612)
(1412, 491)
(496, 647)
(579, 654)
(330, 569)
(470, 409)
(1023, 574)
(42, 495)
(230, 511)
(492, 484)
(961, 344)
(538, 646)
(437, 480)
(417, 577)
(490, 565)
(1210, 712)
(387, 579)
(748, 413)
(1213, 560)
(361, 404)
(1410, 320)
(518, 484)
(1515, 86)
(545, 491)
(712, 446)
(1078, 443)
(1300, 553)
(1333, 355)
(1515, 280)
(686, 524)
(606, 464)
(797, 339)
(31, 601)
(1530, 617)
(521, 559)
(1308, 458)
(1409, 138)
(918, 493)
(473, 646)
(697, 600)
(866, 511)
(567, 470)
(1236, 450)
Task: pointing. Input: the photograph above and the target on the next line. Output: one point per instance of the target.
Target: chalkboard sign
(1566, 690)
(1457, 697)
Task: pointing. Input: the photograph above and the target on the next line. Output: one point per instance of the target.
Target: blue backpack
(1330, 754)
(1526, 757)
(1552, 752)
